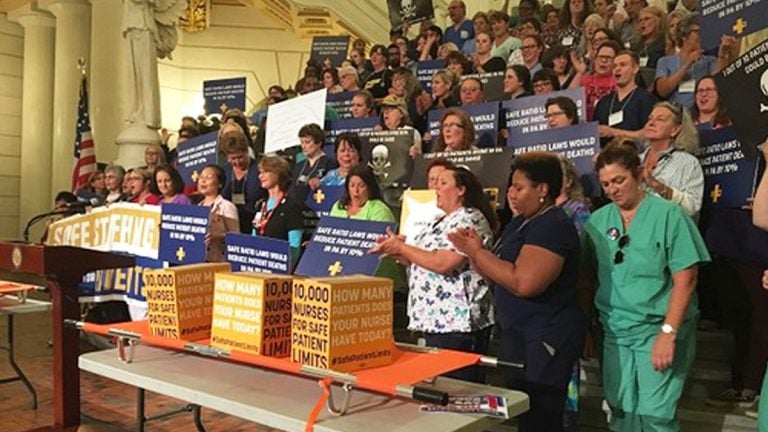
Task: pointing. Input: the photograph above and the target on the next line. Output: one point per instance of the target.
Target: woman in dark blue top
(242, 187)
(534, 268)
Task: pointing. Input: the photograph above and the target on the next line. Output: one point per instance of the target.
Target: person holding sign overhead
(643, 253)
(278, 215)
(448, 300)
(670, 169)
(308, 172)
(224, 217)
(534, 268)
(242, 188)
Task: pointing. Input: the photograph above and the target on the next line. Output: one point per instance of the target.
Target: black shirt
(280, 220)
(378, 83)
(636, 106)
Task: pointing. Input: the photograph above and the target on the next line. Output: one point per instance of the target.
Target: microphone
(82, 203)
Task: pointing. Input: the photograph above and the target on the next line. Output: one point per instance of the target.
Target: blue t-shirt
(636, 107)
(558, 305)
(668, 65)
(465, 32)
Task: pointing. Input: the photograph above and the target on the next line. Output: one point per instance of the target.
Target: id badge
(687, 86)
(644, 61)
(238, 198)
(567, 41)
(302, 178)
(615, 118)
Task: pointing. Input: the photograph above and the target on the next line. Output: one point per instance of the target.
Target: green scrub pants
(762, 411)
(642, 399)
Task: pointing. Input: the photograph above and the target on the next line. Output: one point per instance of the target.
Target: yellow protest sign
(252, 313)
(342, 323)
(180, 300)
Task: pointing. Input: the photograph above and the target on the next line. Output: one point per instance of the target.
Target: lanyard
(266, 214)
(623, 104)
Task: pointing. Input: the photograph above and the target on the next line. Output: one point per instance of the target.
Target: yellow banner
(122, 227)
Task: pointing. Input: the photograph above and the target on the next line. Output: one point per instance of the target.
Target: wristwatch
(668, 329)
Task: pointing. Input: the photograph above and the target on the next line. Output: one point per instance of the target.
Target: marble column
(73, 41)
(107, 67)
(37, 110)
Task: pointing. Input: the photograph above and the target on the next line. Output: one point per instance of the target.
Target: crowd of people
(615, 274)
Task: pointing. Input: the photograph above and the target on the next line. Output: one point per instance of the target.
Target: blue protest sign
(729, 176)
(117, 284)
(223, 94)
(331, 48)
(579, 144)
(257, 254)
(526, 115)
(194, 154)
(322, 199)
(334, 128)
(341, 103)
(182, 233)
(484, 117)
(730, 17)
(340, 247)
(425, 70)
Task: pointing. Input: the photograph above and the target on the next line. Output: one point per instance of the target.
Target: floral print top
(457, 302)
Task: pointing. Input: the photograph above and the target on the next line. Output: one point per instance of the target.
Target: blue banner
(526, 115)
(485, 118)
(729, 176)
(339, 247)
(322, 199)
(331, 48)
(182, 233)
(579, 144)
(118, 284)
(341, 103)
(334, 128)
(257, 254)
(730, 17)
(223, 94)
(196, 153)
(425, 70)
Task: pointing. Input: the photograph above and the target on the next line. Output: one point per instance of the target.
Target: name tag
(615, 118)
(464, 34)
(567, 41)
(687, 86)
(238, 198)
(643, 61)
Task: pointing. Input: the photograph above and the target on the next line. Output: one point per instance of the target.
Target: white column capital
(30, 15)
(65, 7)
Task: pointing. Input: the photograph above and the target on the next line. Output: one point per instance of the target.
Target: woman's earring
(541, 200)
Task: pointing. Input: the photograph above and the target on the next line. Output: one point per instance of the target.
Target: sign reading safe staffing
(340, 246)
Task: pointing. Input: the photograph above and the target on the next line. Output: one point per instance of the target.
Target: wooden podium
(60, 268)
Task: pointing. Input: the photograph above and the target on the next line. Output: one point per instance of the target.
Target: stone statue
(149, 29)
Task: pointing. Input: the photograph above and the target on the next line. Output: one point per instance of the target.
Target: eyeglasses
(706, 91)
(542, 85)
(605, 58)
(449, 125)
(530, 47)
(623, 242)
(553, 114)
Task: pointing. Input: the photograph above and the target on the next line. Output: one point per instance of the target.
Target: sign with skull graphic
(410, 11)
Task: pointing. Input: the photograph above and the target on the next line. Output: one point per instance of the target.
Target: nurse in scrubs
(644, 253)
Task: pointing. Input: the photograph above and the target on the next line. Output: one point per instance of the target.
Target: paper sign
(411, 11)
(425, 70)
(223, 94)
(286, 118)
(342, 323)
(341, 103)
(257, 253)
(730, 17)
(526, 115)
(419, 211)
(182, 233)
(333, 48)
(194, 154)
(729, 176)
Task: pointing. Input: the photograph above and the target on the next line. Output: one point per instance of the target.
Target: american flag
(85, 157)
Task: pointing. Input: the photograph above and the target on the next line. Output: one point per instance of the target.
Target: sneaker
(733, 397)
(751, 413)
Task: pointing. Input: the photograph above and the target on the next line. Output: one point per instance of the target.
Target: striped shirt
(682, 172)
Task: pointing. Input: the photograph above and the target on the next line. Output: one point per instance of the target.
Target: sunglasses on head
(623, 242)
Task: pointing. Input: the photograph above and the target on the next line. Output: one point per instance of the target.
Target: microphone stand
(38, 218)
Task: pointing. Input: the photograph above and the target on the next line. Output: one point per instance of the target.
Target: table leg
(12, 362)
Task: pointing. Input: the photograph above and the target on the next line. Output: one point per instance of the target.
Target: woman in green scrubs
(644, 252)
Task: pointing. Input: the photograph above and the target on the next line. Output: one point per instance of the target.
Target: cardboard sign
(525, 115)
(730, 177)
(425, 70)
(744, 91)
(333, 48)
(180, 300)
(341, 103)
(411, 11)
(121, 227)
(493, 85)
(286, 118)
(342, 323)
(484, 117)
(223, 94)
(490, 165)
(194, 154)
(182, 233)
(252, 313)
(419, 211)
(249, 253)
(340, 247)
(386, 153)
(729, 17)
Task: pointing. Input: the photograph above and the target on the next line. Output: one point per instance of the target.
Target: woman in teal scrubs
(644, 252)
